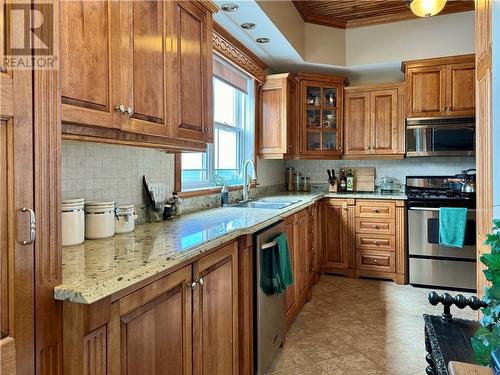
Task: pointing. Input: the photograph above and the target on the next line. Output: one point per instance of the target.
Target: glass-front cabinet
(321, 116)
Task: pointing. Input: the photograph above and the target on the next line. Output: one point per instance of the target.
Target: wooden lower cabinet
(299, 242)
(184, 323)
(364, 238)
(150, 330)
(215, 313)
(334, 221)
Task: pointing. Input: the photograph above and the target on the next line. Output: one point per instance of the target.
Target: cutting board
(364, 179)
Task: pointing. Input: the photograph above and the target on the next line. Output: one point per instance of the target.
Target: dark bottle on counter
(342, 182)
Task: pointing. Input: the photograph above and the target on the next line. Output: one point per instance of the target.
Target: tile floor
(359, 327)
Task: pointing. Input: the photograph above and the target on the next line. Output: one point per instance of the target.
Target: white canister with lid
(73, 222)
(99, 220)
(125, 218)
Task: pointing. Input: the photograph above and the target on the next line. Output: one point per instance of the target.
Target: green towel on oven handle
(452, 224)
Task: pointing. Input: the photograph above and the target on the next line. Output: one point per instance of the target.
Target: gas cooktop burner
(444, 194)
(436, 188)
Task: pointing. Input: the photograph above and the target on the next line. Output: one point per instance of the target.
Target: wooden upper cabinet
(461, 93)
(89, 63)
(192, 49)
(301, 117)
(426, 91)
(145, 28)
(215, 313)
(387, 124)
(143, 67)
(373, 121)
(440, 87)
(278, 126)
(357, 124)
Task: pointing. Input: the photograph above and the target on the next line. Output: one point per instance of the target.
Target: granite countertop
(399, 195)
(99, 268)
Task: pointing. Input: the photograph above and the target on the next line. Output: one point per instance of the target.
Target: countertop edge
(101, 290)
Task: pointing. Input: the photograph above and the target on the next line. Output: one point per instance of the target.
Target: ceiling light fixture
(229, 7)
(248, 25)
(263, 40)
(426, 8)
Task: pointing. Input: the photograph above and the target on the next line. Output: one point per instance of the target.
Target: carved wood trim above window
(228, 47)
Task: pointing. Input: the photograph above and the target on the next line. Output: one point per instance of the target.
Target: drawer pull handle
(376, 210)
(375, 242)
(375, 226)
(374, 260)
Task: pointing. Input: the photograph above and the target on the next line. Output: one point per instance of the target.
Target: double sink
(267, 204)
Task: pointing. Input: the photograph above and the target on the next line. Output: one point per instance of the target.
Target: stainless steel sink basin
(267, 204)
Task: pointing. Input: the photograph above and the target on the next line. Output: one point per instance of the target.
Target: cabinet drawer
(375, 209)
(375, 226)
(375, 242)
(376, 261)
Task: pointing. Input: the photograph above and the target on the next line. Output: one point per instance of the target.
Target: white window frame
(245, 137)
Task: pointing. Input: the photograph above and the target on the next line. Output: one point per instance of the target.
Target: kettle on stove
(469, 181)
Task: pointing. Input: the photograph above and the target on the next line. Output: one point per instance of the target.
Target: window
(233, 134)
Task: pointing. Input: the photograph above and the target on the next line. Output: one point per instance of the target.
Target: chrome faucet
(246, 185)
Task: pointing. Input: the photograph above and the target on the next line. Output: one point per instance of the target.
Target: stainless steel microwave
(441, 136)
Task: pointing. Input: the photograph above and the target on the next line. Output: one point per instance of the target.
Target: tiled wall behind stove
(316, 169)
(107, 172)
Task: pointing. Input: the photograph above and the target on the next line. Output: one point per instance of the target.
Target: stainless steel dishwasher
(269, 310)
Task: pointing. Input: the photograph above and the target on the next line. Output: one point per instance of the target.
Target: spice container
(99, 220)
(73, 222)
(298, 181)
(289, 178)
(306, 184)
(125, 218)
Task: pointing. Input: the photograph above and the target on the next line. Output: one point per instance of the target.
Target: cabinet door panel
(216, 313)
(272, 132)
(144, 32)
(150, 329)
(335, 235)
(301, 254)
(193, 68)
(426, 91)
(290, 292)
(357, 124)
(385, 122)
(89, 63)
(461, 89)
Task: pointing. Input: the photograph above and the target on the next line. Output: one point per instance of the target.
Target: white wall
(438, 36)
(324, 45)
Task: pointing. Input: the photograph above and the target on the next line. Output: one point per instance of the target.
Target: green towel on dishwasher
(275, 267)
(452, 222)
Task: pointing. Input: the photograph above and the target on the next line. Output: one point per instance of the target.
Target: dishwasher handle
(268, 245)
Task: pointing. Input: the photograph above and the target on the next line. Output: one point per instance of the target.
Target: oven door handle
(423, 208)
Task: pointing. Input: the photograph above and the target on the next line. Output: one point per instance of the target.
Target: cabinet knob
(130, 111)
(367, 147)
(375, 226)
(375, 242)
(207, 129)
(200, 281)
(374, 260)
(121, 108)
(192, 285)
(376, 210)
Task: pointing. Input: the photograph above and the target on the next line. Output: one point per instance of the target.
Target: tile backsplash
(107, 172)
(316, 169)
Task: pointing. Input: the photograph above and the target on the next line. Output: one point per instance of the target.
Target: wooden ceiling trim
(229, 48)
(346, 14)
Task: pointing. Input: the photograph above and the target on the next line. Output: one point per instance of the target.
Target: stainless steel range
(432, 264)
